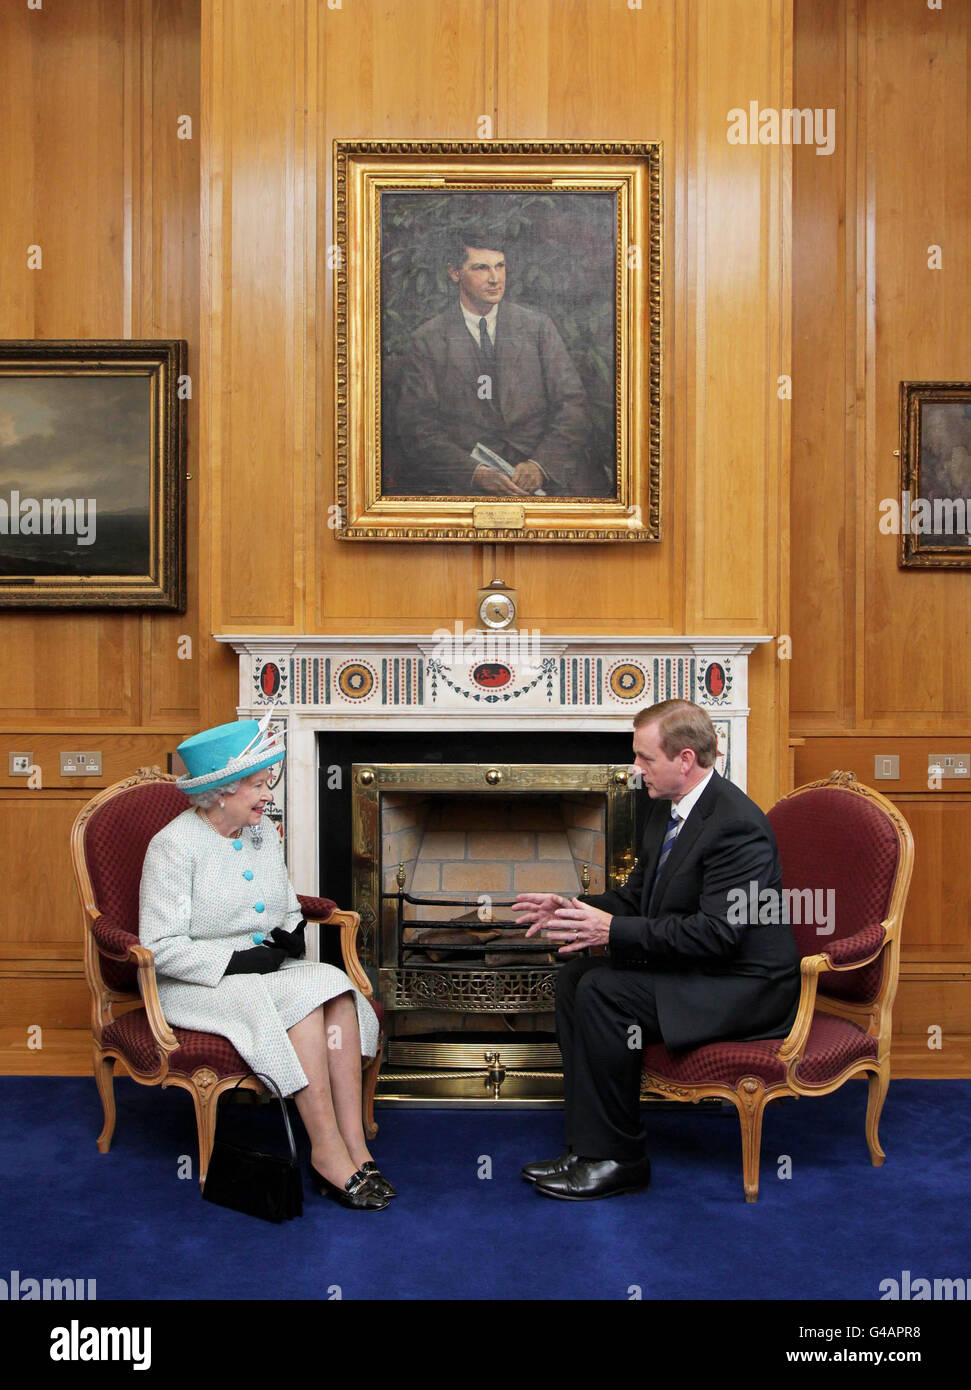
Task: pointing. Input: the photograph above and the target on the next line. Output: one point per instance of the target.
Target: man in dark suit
(684, 966)
(491, 372)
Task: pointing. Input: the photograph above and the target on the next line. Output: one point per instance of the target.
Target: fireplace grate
(502, 991)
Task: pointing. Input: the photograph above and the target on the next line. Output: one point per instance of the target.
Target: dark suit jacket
(715, 978)
(538, 407)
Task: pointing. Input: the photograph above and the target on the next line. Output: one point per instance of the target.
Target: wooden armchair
(108, 844)
(843, 837)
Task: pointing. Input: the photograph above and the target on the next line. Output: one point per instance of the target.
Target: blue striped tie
(670, 835)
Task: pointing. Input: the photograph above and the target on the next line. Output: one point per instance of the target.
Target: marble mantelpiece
(477, 682)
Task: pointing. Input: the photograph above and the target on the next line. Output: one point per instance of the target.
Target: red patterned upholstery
(833, 839)
(115, 840)
(111, 937)
(315, 909)
(132, 1036)
(833, 1045)
(857, 947)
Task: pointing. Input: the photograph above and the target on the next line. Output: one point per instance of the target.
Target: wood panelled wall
(222, 240)
(92, 170)
(881, 660)
(237, 265)
(281, 80)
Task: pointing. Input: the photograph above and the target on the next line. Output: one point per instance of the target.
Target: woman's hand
(258, 960)
(292, 943)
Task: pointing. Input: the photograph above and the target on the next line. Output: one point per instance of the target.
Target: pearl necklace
(233, 834)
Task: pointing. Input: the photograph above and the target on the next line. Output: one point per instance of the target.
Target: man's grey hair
(205, 800)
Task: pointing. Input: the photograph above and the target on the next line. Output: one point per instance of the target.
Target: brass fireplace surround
(452, 996)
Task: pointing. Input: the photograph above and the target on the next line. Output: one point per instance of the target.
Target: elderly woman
(214, 885)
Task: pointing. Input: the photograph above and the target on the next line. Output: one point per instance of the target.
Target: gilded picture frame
(92, 474)
(497, 392)
(934, 515)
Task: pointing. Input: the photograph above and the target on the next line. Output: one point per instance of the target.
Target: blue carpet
(833, 1230)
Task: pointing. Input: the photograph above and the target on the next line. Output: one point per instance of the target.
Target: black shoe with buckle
(357, 1193)
(377, 1179)
(549, 1167)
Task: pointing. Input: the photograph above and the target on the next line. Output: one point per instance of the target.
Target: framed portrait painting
(498, 340)
(935, 475)
(92, 474)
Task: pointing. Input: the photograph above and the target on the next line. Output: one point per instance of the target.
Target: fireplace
(440, 851)
(386, 805)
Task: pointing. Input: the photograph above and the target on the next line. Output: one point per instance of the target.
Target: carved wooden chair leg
(878, 1083)
(369, 1083)
(750, 1101)
(104, 1075)
(205, 1099)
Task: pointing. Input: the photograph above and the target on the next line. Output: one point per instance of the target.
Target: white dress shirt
(684, 807)
(472, 323)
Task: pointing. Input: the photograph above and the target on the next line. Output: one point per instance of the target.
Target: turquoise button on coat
(247, 874)
(237, 844)
(260, 907)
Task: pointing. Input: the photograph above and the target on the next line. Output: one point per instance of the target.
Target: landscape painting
(91, 474)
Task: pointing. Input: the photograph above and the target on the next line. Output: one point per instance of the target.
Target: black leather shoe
(586, 1179)
(377, 1179)
(549, 1167)
(357, 1192)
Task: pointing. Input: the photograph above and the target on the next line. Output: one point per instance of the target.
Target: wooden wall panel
(735, 515)
(59, 74)
(574, 73)
(89, 101)
(880, 655)
(254, 126)
(41, 976)
(823, 365)
(367, 88)
(937, 919)
(875, 647)
(166, 305)
(41, 880)
(62, 118)
(918, 665)
(92, 95)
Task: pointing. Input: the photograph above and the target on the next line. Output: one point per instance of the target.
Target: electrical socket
(19, 764)
(80, 764)
(949, 765)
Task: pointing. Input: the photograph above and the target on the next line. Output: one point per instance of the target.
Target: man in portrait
(490, 401)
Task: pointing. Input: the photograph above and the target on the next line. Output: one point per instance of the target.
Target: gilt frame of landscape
(93, 474)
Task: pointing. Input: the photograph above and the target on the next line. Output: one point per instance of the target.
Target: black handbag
(256, 1183)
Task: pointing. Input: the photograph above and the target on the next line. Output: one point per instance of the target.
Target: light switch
(886, 767)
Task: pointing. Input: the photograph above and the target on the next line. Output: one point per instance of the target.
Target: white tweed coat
(197, 905)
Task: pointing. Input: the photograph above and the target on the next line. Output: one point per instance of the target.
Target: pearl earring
(222, 803)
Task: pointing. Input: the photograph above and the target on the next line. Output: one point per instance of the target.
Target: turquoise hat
(228, 753)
